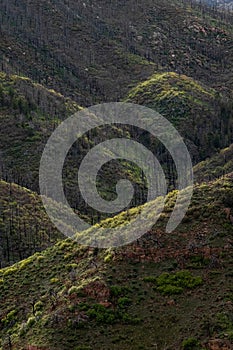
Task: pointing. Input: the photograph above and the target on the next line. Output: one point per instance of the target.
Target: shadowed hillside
(216, 166)
(92, 51)
(24, 225)
(29, 113)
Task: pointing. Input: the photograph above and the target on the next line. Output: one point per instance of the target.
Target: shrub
(23, 329)
(25, 263)
(10, 318)
(77, 290)
(40, 258)
(73, 289)
(71, 267)
(225, 324)
(230, 335)
(150, 279)
(186, 280)
(75, 323)
(63, 245)
(169, 284)
(54, 280)
(198, 261)
(38, 306)
(170, 290)
(38, 315)
(190, 344)
(101, 314)
(117, 291)
(83, 306)
(30, 322)
(127, 319)
(108, 258)
(10, 271)
(124, 302)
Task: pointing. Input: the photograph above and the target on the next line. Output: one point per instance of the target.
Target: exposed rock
(219, 344)
(97, 290)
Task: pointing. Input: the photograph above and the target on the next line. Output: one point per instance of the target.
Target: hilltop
(201, 115)
(94, 51)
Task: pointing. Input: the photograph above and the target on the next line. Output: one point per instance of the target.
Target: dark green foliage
(198, 262)
(116, 291)
(102, 315)
(227, 198)
(174, 283)
(10, 319)
(150, 279)
(190, 344)
(123, 302)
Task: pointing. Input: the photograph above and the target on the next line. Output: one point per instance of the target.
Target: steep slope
(24, 225)
(216, 166)
(29, 113)
(92, 51)
(135, 297)
(202, 116)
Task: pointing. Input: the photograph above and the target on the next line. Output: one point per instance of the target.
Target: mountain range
(165, 291)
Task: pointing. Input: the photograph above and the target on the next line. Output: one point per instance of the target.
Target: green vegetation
(24, 225)
(72, 299)
(216, 166)
(188, 104)
(166, 92)
(169, 284)
(163, 291)
(190, 344)
(122, 55)
(24, 134)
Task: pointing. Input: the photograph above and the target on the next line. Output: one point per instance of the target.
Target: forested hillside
(164, 291)
(218, 165)
(203, 116)
(29, 113)
(24, 225)
(92, 51)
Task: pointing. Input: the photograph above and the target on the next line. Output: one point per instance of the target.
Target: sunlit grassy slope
(216, 166)
(72, 297)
